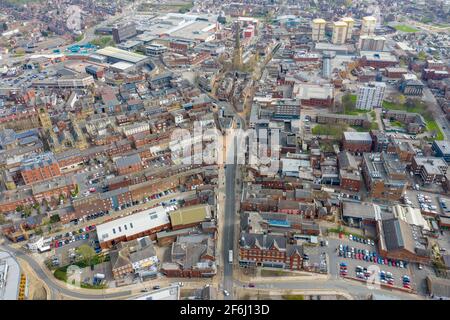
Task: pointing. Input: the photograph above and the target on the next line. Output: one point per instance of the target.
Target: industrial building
(123, 32)
(144, 223)
(118, 55)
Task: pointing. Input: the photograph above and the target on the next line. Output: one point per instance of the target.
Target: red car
(56, 244)
(406, 286)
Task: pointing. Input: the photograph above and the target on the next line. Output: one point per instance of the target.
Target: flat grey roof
(10, 290)
(360, 136)
(121, 54)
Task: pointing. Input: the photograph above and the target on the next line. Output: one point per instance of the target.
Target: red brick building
(357, 142)
(129, 164)
(39, 168)
(130, 227)
(269, 251)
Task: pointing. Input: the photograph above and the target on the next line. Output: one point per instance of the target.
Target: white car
(350, 237)
(226, 293)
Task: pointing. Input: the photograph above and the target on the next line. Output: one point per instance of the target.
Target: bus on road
(230, 256)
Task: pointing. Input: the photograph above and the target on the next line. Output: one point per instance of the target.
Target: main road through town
(57, 288)
(228, 227)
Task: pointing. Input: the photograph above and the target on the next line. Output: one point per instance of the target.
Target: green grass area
(373, 126)
(405, 28)
(397, 123)
(91, 286)
(354, 112)
(419, 108)
(415, 108)
(103, 42)
(79, 38)
(61, 272)
(329, 130)
(344, 232)
(433, 126)
(349, 104)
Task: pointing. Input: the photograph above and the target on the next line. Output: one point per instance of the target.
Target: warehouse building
(114, 55)
(141, 224)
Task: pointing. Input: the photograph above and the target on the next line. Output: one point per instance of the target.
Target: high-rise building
(318, 29)
(370, 95)
(339, 32)
(327, 63)
(371, 43)
(123, 32)
(350, 23)
(368, 25)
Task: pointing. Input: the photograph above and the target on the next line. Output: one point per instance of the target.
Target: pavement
(438, 114)
(339, 286)
(228, 228)
(58, 288)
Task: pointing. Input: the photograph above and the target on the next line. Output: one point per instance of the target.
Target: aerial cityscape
(224, 150)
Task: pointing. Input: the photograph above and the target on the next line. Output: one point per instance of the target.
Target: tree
(399, 99)
(422, 55)
(348, 102)
(54, 218)
(27, 212)
(87, 253)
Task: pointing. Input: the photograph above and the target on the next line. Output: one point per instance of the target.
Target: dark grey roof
(398, 235)
(128, 160)
(263, 241)
(347, 161)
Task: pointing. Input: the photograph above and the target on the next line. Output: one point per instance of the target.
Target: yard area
(419, 108)
(405, 28)
(329, 130)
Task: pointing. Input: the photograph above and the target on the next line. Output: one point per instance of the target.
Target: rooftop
(132, 224)
(357, 136)
(121, 54)
(361, 210)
